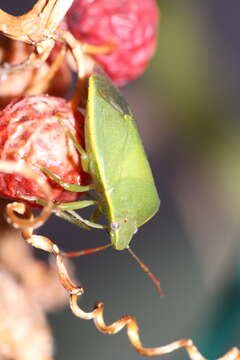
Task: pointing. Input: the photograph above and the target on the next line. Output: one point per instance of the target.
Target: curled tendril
(133, 333)
(126, 321)
(15, 208)
(27, 226)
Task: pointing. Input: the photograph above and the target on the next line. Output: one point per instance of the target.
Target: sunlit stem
(147, 270)
(57, 14)
(97, 49)
(78, 55)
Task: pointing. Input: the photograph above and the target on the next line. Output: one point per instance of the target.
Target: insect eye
(115, 226)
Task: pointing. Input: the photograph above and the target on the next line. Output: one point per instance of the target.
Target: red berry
(31, 132)
(129, 25)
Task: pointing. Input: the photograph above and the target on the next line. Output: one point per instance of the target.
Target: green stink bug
(114, 157)
(117, 163)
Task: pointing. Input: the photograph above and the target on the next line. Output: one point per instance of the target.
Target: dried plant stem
(33, 61)
(36, 25)
(42, 85)
(77, 52)
(18, 27)
(39, 27)
(97, 49)
(132, 331)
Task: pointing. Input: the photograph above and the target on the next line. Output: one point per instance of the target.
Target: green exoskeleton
(117, 163)
(114, 157)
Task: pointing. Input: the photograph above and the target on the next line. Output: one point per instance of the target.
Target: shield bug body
(115, 159)
(122, 187)
(117, 162)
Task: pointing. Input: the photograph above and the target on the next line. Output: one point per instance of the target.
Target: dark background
(187, 109)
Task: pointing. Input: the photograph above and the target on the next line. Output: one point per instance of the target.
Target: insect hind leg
(86, 251)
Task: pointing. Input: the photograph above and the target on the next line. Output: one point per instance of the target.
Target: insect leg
(77, 220)
(89, 223)
(95, 215)
(86, 251)
(75, 205)
(61, 209)
(64, 185)
(79, 148)
(32, 199)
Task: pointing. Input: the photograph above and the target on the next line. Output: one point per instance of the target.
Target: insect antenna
(145, 268)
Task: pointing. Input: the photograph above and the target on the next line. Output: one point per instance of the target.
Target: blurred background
(187, 109)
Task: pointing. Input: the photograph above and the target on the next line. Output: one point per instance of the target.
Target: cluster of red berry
(121, 37)
(128, 27)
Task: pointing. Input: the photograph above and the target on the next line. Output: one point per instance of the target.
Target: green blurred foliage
(184, 73)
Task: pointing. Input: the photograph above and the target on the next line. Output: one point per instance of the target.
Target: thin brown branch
(19, 27)
(43, 84)
(37, 27)
(37, 24)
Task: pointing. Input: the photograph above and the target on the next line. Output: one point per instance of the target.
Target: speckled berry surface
(130, 26)
(31, 132)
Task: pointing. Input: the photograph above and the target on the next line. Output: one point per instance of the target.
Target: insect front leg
(66, 212)
(62, 210)
(79, 148)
